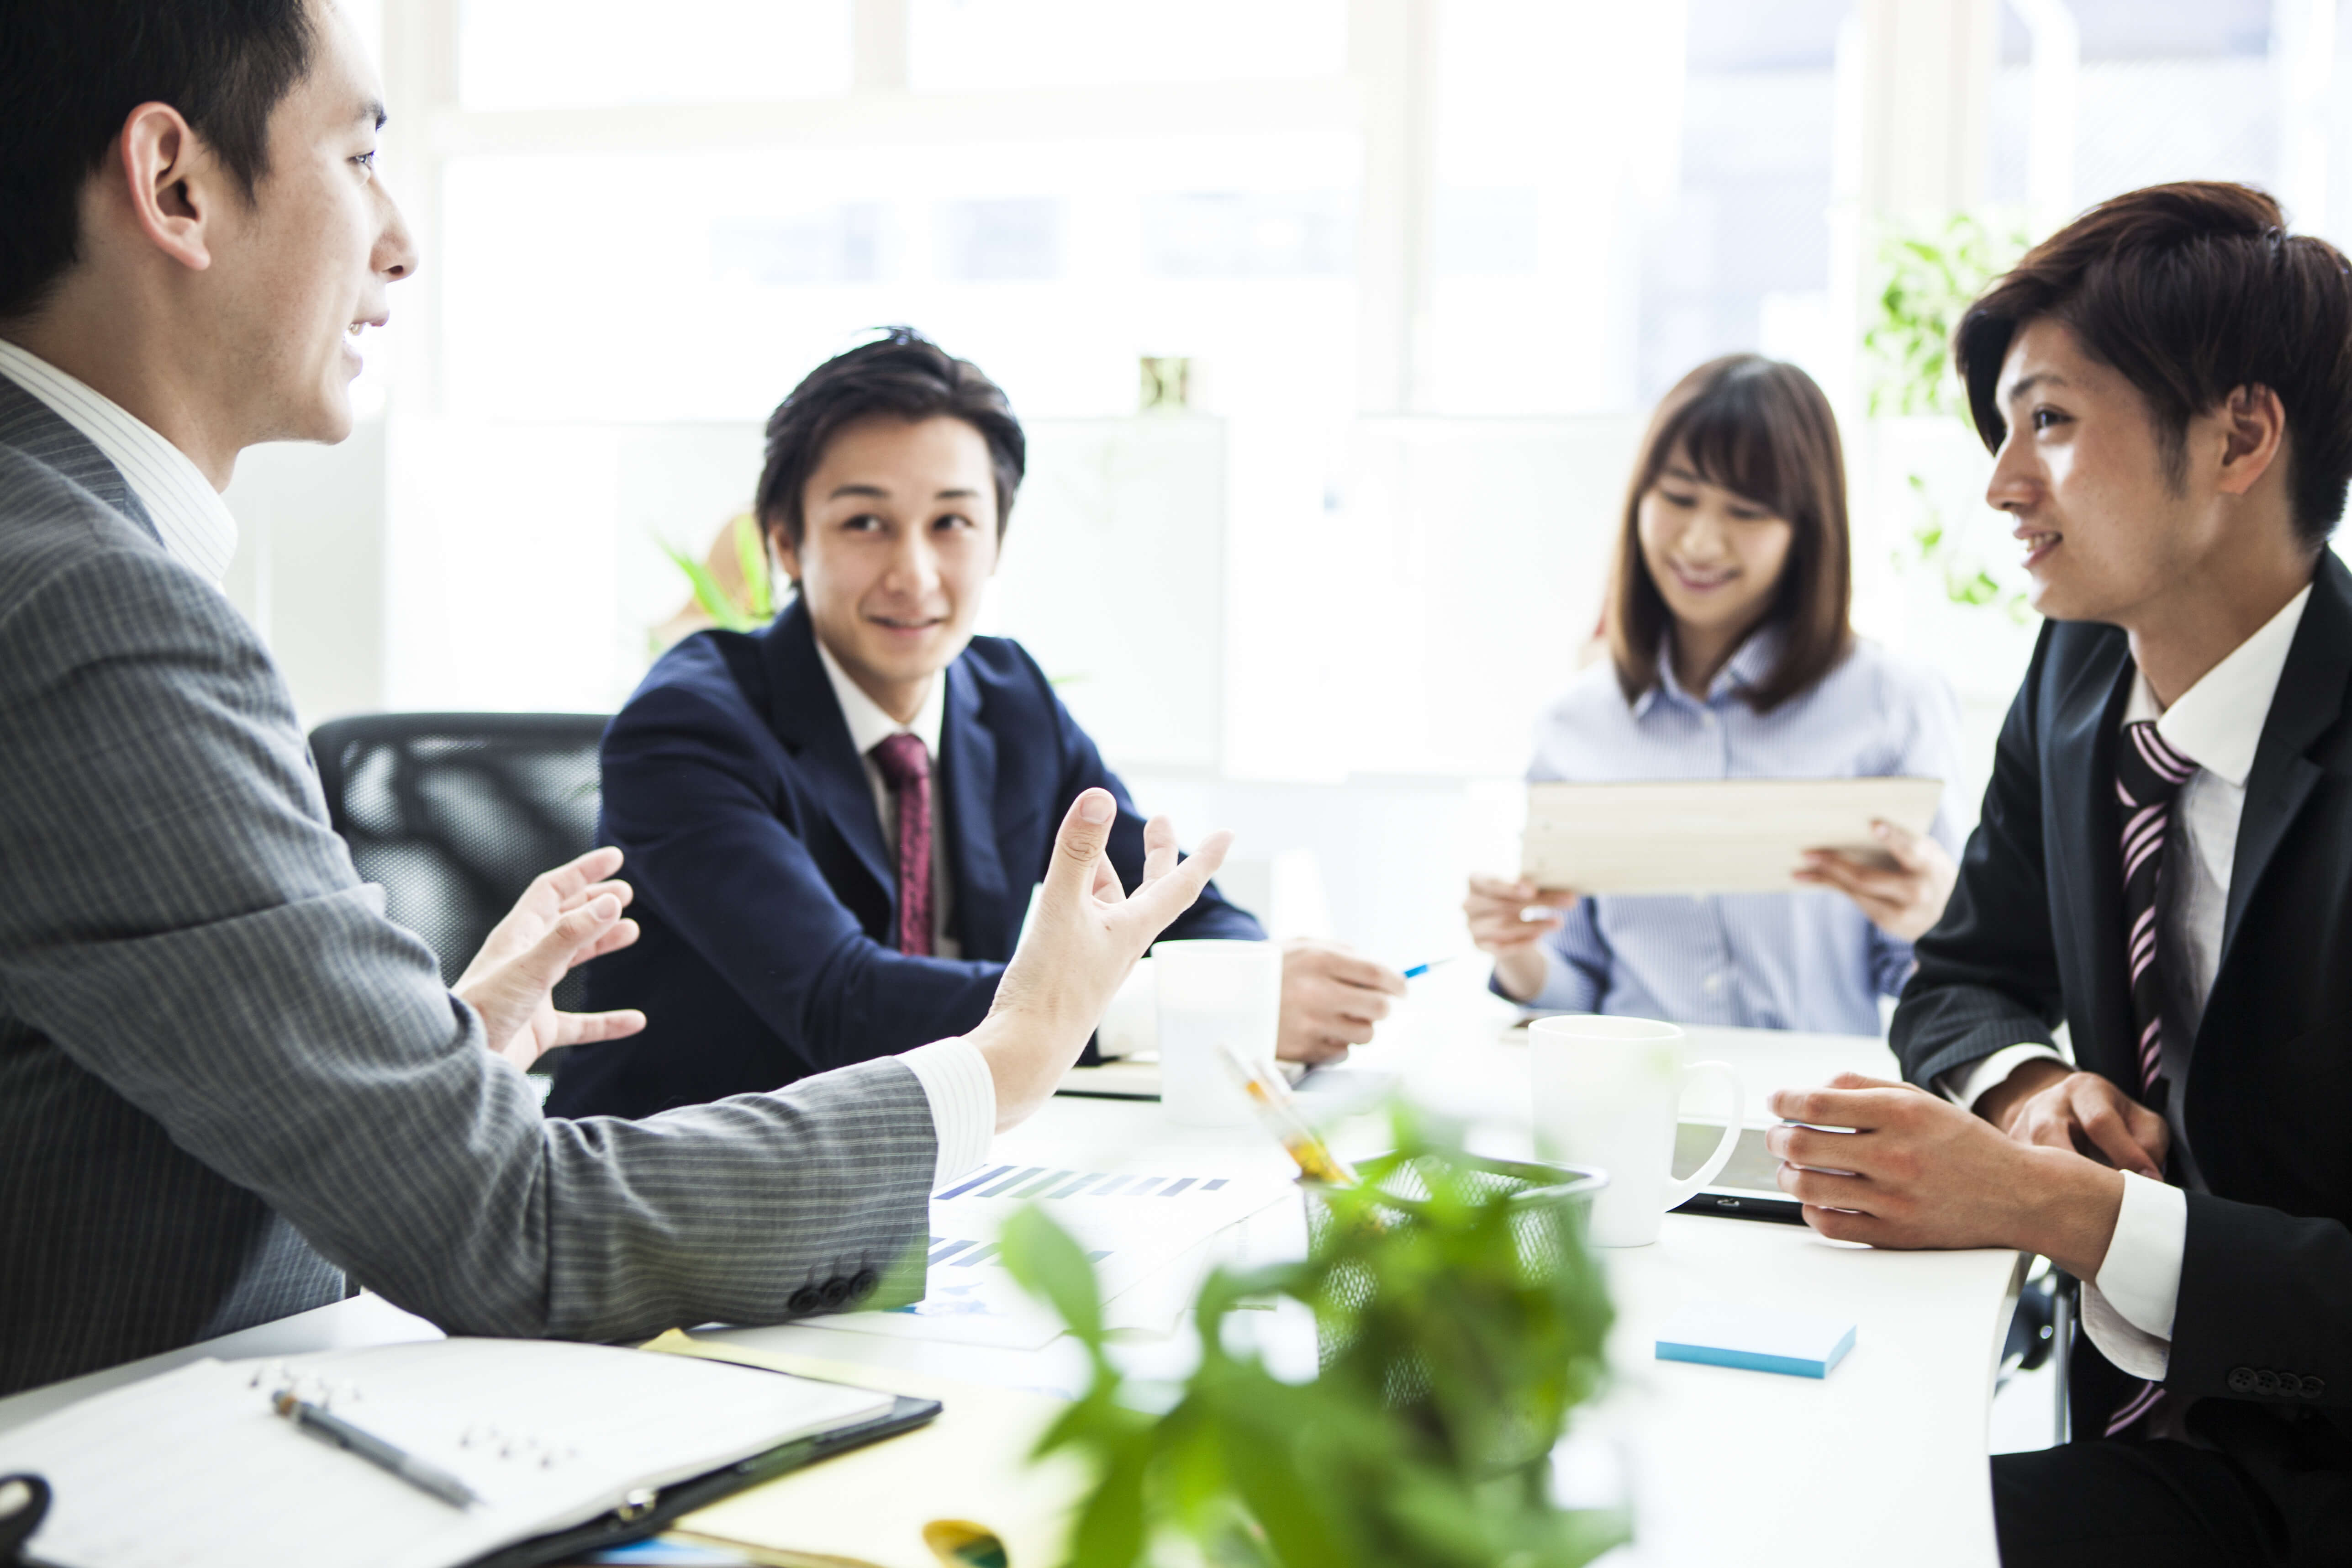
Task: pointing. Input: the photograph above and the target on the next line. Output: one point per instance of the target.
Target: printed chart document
(1133, 1219)
(1714, 835)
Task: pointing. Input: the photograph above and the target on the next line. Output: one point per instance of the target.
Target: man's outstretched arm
(182, 923)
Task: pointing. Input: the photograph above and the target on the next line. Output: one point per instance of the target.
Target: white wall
(309, 570)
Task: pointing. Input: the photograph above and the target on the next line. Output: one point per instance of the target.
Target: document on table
(1716, 835)
(883, 1506)
(192, 1467)
(1132, 1219)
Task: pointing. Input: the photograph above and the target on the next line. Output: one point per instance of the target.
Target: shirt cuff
(1964, 1086)
(2133, 1353)
(962, 1092)
(2141, 1276)
(1130, 1025)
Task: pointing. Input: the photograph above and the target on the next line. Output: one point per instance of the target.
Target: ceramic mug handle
(1682, 1192)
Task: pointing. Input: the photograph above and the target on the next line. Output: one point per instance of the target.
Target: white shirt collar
(870, 726)
(190, 515)
(2217, 722)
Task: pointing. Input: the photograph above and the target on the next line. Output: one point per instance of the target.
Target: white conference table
(1886, 1456)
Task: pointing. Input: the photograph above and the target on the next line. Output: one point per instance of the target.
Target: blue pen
(1418, 970)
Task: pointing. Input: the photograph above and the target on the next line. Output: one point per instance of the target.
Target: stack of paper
(1759, 1339)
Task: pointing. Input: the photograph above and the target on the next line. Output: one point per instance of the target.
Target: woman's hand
(1085, 936)
(1904, 900)
(1511, 921)
(565, 918)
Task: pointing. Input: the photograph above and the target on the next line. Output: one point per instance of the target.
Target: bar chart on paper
(1130, 1221)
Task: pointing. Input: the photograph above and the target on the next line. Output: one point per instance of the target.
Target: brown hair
(1762, 429)
(2190, 291)
(901, 373)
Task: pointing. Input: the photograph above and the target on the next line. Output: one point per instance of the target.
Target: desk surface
(1726, 1465)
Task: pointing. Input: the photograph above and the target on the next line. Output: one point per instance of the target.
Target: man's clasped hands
(2038, 1166)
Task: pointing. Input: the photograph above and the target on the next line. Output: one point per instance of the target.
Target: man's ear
(788, 559)
(2254, 429)
(173, 184)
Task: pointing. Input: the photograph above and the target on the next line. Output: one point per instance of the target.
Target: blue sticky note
(1762, 1338)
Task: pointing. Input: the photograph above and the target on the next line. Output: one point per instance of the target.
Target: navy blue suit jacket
(764, 886)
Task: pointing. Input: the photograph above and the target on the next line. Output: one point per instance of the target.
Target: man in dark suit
(2164, 863)
(833, 823)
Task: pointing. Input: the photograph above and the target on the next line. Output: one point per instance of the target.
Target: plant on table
(1459, 1326)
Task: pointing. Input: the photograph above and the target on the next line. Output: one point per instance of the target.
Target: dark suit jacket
(2034, 933)
(764, 888)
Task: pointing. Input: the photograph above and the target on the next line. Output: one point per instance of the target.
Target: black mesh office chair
(455, 813)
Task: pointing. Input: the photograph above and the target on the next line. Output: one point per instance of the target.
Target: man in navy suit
(833, 823)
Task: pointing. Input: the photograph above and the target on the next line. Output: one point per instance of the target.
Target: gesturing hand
(1511, 921)
(2049, 1104)
(565, 918)
(1330, 999)
(1085, 936)
(1904, 900)
(1916, 1171)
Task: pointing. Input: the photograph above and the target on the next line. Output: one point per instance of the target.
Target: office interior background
(1428, 264)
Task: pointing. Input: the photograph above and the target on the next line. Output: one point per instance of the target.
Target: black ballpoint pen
(332, 1429)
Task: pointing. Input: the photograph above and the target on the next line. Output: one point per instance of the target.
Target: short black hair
(2192, 291)
(902, 373)
(72, 70)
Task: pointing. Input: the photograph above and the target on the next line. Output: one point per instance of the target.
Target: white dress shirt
(953, 1074)
(2217, 723)
(870, 726)
(199, 533)
(195, 523)
(1132, 1023)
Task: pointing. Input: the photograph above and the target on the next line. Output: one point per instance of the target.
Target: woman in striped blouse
(1731, 656)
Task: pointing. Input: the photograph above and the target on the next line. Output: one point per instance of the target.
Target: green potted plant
(1926, 277)
(1460, 1320)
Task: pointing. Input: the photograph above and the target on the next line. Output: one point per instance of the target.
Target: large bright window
(554, 54)
(700, 285)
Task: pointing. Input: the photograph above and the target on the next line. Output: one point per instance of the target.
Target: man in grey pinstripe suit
(226, 1083)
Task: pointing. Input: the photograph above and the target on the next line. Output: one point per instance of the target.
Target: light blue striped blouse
(1808, 961)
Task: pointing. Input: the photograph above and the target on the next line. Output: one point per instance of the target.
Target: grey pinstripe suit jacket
(225, 1079)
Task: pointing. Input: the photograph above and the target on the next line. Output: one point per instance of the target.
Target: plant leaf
(1047, 1263)
(752, 555)
(708, 594)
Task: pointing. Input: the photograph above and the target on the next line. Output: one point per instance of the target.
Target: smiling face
(2082, 469)
(1714, 555)
(296, 274)
(899, 539)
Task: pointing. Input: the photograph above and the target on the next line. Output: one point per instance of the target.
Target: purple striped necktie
(2149, 776)
(906, 764)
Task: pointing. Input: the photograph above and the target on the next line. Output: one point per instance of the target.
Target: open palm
(565, 918)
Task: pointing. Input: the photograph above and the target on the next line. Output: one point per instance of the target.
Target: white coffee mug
(1607, 1093)
(1211, 994)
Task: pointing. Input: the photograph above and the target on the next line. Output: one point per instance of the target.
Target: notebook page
(192, 1469)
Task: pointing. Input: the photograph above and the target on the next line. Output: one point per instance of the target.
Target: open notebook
(192, 1470)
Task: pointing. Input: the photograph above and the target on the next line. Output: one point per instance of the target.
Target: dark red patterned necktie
(2149, 776)
(906, 764)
